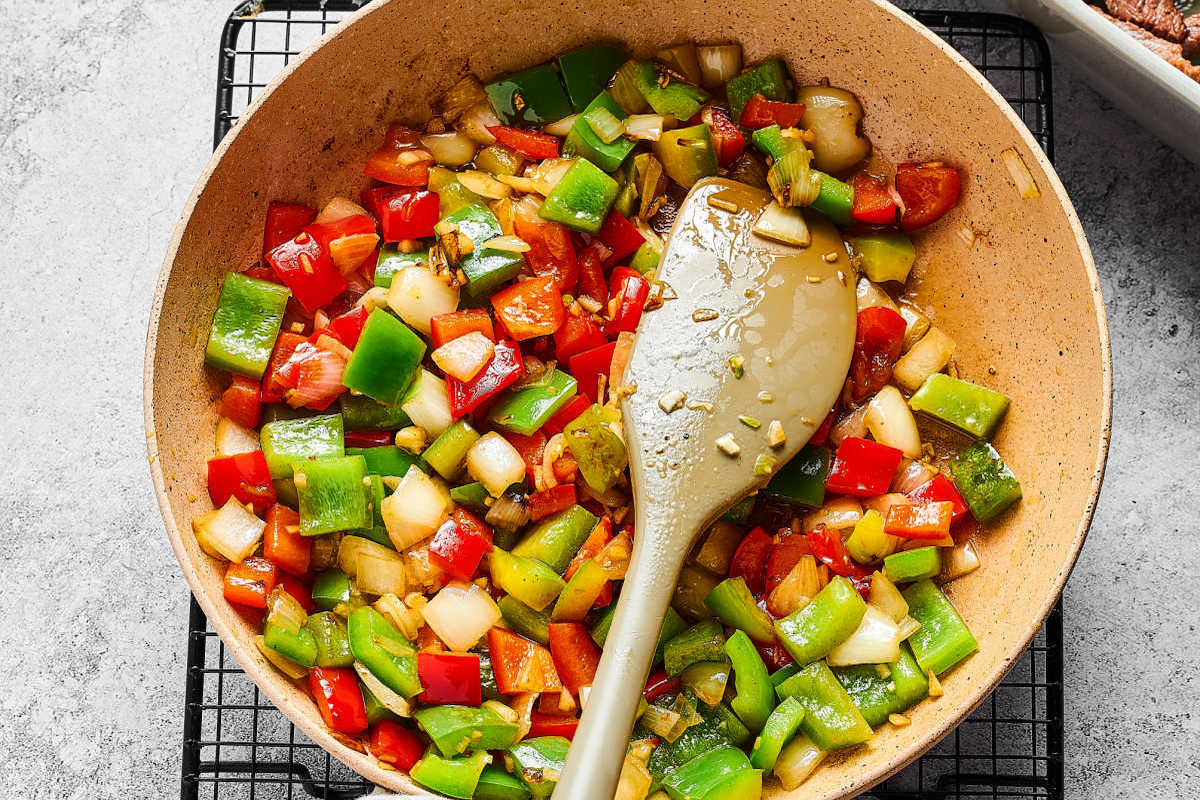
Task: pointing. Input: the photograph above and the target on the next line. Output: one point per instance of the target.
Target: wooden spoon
(789, 313)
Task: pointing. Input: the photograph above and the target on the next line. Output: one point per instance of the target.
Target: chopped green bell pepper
(496, 784)
(580, 593)
(740, 512)
(831, 719)
(486, 268)
(376, 710)
(453, 777)
(913, 565)
(360, 412)
(586, 71)
(698, 778)
(487, 678)
(556, 539)
(755, 693)
(672, 626)
(826, 621)
(525, 410)
(472, 496)
(299, 645)
(332, 642)
(524, 620)
(452, 195)
(885, 256)
(975, 409)
(386, 358)
(448, 453)
(391, 260)
(245, 325)
(527, 579)
(779, 728)
(539, 761)
(693, 742)
(331, 589)
(647, 256)
(880, 691)
(733, 604)
(835, 200)
(457, 729)
(665, 93)
(387, 460)
(583, 141)
(783, 673)
(687, 154)
(704, 641)
(333, 496)
(984, 481)
(772, 142)
(943, 639)
(534, 95)
(802, 480)
(582, 199)
(383, 650)
(770, 79)
(598, 450)
(744, 785)
(289, 441)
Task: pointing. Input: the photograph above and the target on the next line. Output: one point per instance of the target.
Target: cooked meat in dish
(1191, 43)
(1160, 17)
(1171, 52)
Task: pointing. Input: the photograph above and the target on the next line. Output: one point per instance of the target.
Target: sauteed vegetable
(419, 482)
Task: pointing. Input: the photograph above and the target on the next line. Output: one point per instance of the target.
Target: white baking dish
(1147, 88)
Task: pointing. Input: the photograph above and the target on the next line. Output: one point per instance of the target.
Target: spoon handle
(594, 762)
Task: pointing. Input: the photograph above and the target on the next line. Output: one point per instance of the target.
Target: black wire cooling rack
(237, 745)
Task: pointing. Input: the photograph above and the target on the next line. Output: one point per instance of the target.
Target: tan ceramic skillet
(1022, 299)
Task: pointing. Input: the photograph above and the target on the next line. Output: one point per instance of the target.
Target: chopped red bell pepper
(284, 221)
(248, 583)
(450, 678)
(457, 550)
(749, 560)
(551, 251)
(551, 501)
(352, 225)
(576, 334)
(928, 191)
(574, 407)
(588, 366)
(863, 468)
(368, 438)
(394, 744)
(877, 341)
(920, 520)
(401, 159)
(828, 548)
(472, 524)
(530, 308)
(346, 328)
(783, 555)
(242, 401)
(299, 590)
(245, 477)
(576, 656)
(620, 236)
(534, 145)
(629, 291)
(591, 272)
(338, 699)
(542, 724)
(760, 112)
(282, 542)
(453, 324)
(306, 268)
(774, 655)
(530, 448)
(407, 214)
(521, 665)
(503, 370)
(873, 203)
(272, 390)
(659, 685)
(940, 489)
(727, 138)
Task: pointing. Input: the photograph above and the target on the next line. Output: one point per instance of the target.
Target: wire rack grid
(237, 745)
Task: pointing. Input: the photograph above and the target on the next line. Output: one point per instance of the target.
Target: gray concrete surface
(105, 114)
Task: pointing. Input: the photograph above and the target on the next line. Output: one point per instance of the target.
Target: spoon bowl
(697, 426)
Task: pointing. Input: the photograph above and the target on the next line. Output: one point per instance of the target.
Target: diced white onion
(1026, 185)
(886, 596)
(927, 356)
(784, 225)
(284, 610)
(427, 403)
(883, 502)
(839, 513)
(337, 209)
(460, 614)
(415, 510)
(718, 63)
(707, 680)
(797, 761)
(389, 699)
(916, 325)
(417, 295)
(231, 532)
(647, 127)
(508, 243)
(407, 620)
(380, 570)
(660, 721)
(450, 149)
(475, 121)
(635, 780)
(796, 590)
(911, 475)
(483, 184)
(521, 184)
(282, 663)
(908, 626)
(463, 357)
(420, 569)
(548, 172)
(891, 422)
(562, 127)
(233, 439)
(959, 560)
(853, 425)
(495, 463)
(876, 641)
(870, 295)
